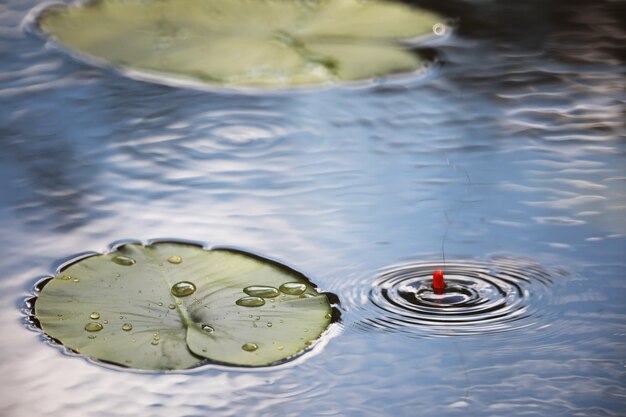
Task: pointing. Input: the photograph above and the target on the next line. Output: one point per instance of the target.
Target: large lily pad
(175, 306)
(244, 42)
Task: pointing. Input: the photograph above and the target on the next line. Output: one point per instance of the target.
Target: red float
(438, 282)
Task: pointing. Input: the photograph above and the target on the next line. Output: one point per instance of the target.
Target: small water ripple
(480, 298)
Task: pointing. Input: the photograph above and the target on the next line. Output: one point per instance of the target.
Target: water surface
(512, 147)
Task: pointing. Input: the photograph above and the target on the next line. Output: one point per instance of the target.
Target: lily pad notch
(170, 305)
(244, 43)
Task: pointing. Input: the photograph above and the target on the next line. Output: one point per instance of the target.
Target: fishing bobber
(439, 285)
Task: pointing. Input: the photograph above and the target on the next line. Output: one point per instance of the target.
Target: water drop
(439, 29)
(280, 347)
(207, 329)
(95, 315)
(64, 277)
(93, 326)
(249, 347)
(92, 336)
(183, 289)
(261, 291)
(160, 304)
(269, 324)
(328, 316)
(127, 327)
(250, 302)
(76, 280)
(123, 260)
(171, 306)
(293, 288)
(174, 259)
(154, 342)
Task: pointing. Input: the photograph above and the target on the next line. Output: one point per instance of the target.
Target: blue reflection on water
(514, 145)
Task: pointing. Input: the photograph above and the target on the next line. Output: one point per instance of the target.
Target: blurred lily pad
(176, 306)
(259, 43)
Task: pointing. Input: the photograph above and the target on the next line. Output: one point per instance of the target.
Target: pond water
(509, 154)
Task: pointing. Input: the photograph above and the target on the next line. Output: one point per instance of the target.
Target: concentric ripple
(479, 298)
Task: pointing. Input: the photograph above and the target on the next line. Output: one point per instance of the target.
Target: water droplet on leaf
(127, 327)
(439, 29)
(183, 289)
(207, 329)
(293, 288)
(249, 347)
(93, 326)
(95, 315)
(123, 260)
(250, 302)
(174, 259)
(261, 291)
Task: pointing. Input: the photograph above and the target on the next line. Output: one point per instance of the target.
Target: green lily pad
(176, 306)
(259, 43)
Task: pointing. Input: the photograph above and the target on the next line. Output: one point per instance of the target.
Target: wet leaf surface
(175, 306)
(264, 43)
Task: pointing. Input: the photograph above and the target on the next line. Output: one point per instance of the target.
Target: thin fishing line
(445, 212)
(465, 372)
(443, 240)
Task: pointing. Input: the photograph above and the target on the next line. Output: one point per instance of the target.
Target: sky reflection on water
(517, 137)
